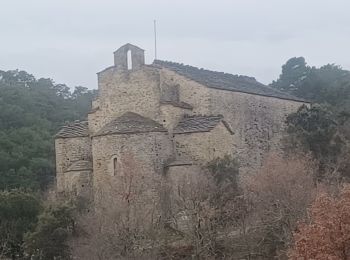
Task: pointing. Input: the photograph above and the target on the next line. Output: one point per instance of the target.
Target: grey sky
(71, 40)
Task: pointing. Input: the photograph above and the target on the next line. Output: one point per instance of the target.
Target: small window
(115, 166)
(129, 60)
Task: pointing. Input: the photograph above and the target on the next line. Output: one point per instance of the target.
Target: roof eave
(295, 99)
(131, 132)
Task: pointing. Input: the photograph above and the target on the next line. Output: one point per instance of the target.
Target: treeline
(295, 207)
(256, 219)
(31, 112)
(322, 129)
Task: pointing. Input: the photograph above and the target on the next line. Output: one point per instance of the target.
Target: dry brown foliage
(280, 193)
(123, 224)
(327, 235)
(218, 221)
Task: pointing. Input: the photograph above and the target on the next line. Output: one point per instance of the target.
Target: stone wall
(189, 91)
(137, 57)
(170, 115)
(257, 121)
(205, 146)
(69, 150)
(135, 91)
(128, 170)
(79, 183)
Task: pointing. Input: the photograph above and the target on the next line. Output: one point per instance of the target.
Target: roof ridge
(198, 123)
(159, 62)
(74, 129)
(130, 123)
(224, 81)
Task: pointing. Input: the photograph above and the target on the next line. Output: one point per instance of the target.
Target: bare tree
(281, 192)
(124, 223)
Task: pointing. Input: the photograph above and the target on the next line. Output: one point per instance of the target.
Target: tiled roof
(129, 45)
(130, 123)
(74, 129)
(80, 165)
(194, 124)
(180, 104)
(225, 81)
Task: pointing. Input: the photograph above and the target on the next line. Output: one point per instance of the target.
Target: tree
(328, 84)
(322, 132)
(18, 215)
(327, 234)
(126, 222)
(323, 128)
(31, 111)
(48, 241)
(206, 210)
(294, 72)
(316, 129)
(280, 195)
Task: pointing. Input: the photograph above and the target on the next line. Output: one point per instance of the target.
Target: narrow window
(129, 60)
(115, 161)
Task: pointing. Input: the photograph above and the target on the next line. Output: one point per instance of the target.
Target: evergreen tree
(31, 112)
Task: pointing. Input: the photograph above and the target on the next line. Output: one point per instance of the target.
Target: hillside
(31, 111)
(274, 202)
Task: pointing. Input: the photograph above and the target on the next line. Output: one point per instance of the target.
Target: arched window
(129, 60)
(115, 166)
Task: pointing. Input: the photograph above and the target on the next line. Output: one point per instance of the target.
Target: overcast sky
(70, 40)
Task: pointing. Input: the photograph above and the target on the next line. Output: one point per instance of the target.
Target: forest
(296, 207)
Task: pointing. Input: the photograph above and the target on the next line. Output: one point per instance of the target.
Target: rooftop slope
(75, 129)
(225, 81)
(195, 124)
(130, 123)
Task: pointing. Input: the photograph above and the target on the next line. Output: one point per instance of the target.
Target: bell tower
(129, 57)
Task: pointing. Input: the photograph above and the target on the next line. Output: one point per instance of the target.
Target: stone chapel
(156, 124)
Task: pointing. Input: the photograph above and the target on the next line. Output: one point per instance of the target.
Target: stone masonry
(153, 124)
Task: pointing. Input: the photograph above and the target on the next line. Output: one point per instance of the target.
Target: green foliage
(293, 74)
(316, 129)
(321, 129)
(49, 239)
(31, 111)
(18, 215)
(224, 171)
(327, 84)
